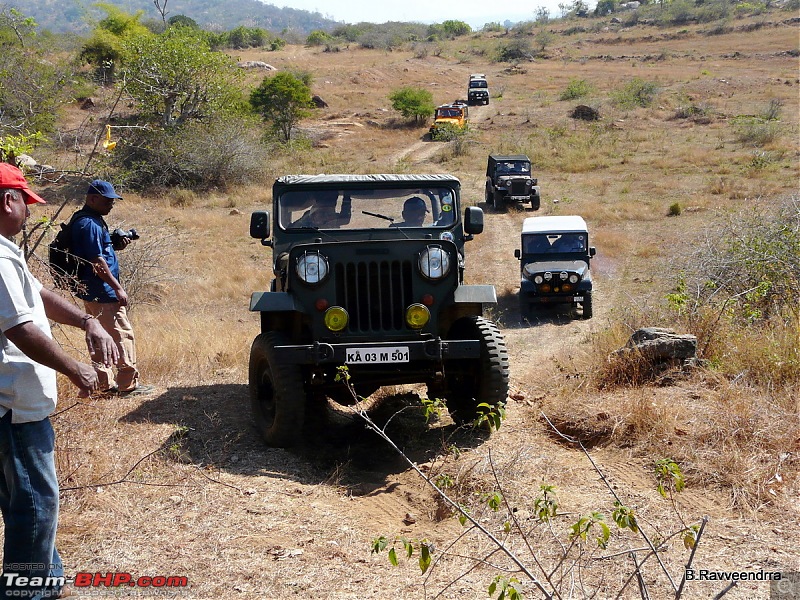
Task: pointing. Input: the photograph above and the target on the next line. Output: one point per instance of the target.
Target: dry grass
(208, 488)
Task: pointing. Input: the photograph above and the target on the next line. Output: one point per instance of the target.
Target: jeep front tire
(483, 380)
(277, 399)
(587, 305)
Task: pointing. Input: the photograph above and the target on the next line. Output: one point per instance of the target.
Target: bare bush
(218, 154)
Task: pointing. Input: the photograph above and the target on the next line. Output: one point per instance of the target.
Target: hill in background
(61, 16)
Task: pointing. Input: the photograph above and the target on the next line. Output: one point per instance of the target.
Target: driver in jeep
(414, 211)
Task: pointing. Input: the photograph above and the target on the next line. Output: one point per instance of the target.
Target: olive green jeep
(369, 273)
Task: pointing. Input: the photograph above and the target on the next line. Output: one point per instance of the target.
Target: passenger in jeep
(414, 211)
(323, 215)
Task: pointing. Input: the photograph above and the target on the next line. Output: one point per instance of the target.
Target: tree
(22, 26)
(605, 7)
(177, 77)
(161, 7)
(413, 103)
(318, 38)
(543, 39)
(104, 48)
(182, 21)
(283, 100)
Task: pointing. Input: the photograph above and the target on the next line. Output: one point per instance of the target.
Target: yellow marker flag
(107, 143)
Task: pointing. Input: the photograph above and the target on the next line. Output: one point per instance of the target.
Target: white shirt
(27, 388)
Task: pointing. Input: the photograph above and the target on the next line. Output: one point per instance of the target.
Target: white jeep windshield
(554, 243)
(366, 209)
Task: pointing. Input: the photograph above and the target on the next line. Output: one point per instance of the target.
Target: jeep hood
(574, 266)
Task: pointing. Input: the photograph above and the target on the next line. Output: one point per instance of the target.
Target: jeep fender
(273, 302)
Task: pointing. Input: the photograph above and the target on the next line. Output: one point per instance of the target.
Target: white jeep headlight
(434, 262)
(312, 267)
(574, 278)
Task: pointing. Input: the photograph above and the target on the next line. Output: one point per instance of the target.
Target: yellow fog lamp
(336, 318)
(417, 316)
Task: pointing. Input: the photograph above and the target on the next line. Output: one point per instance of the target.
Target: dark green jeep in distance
(369, 274)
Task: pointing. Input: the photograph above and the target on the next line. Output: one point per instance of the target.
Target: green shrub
(755, 131)
(515, 51)
(318, 38)
(577, 88)
(636, 93)
(413, 103)
(674, 210)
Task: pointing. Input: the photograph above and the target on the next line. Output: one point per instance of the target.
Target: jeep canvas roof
(554, 224)
(339, 179)
(505, 157)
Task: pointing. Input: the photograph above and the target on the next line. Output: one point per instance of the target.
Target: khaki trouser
(114, 319)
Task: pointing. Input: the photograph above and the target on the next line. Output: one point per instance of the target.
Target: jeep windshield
(513, 168)
(342, 209)
(478, 83)
(452, 113)
(554, 243)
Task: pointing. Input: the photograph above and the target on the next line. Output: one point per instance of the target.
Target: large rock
(660, 344)
(255, 64)
(651, 351)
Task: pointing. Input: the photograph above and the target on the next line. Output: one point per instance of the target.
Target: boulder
(255, 64)
(659, 350)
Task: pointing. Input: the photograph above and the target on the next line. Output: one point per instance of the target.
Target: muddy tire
(277, 396)
(476, 381)
(587, 305)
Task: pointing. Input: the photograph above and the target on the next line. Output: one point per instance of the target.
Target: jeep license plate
(394, 354)
(578, 299)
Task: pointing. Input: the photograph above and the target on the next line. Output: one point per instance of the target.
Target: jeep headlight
(548, 276)
(434, 262)
(312, 267)
(574, 278)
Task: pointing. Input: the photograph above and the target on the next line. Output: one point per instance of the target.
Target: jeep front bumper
(394, 352)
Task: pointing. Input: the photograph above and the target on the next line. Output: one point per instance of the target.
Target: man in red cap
(29, 359)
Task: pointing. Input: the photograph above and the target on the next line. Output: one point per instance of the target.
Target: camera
(118, 234)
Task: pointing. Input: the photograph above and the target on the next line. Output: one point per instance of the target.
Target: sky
(475, 12)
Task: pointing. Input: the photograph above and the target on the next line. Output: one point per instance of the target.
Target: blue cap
(103, 188)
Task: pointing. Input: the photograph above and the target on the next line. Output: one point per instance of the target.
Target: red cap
(12, 178)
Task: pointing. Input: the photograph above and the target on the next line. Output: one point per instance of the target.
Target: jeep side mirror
(259, 225)
(592, 251)
(473, 220)
(517, 254)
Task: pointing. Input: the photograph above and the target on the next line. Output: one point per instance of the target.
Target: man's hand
(120, 243)
(101, 346)
(84, 377)
(122, 297)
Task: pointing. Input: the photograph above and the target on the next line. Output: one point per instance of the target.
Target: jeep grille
(375, 294)
(518, 187)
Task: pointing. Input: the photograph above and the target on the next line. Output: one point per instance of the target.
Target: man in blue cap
(102, 293)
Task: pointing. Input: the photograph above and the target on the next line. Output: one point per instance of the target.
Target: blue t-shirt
(90, 239)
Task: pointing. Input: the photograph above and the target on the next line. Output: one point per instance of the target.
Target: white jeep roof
(477, 76)
(554, 224)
